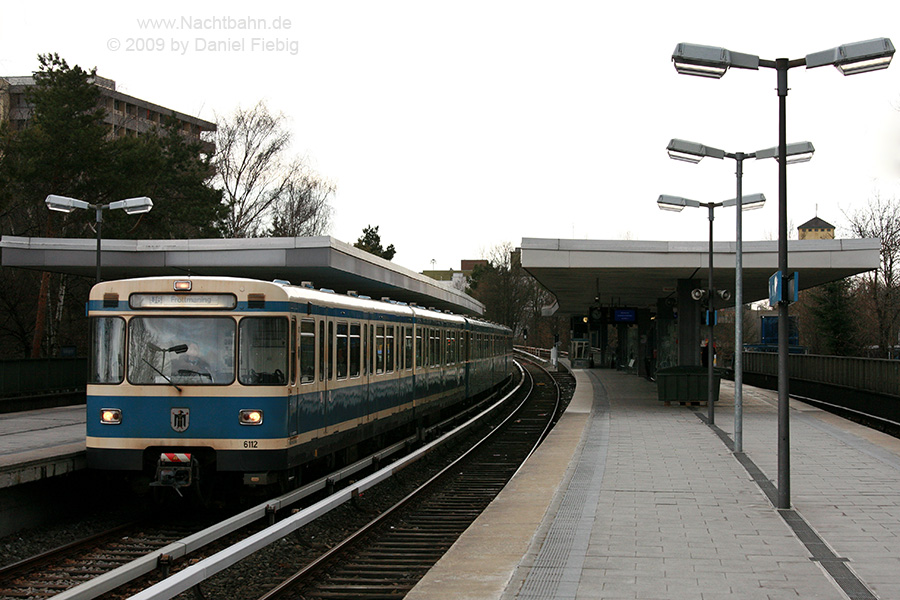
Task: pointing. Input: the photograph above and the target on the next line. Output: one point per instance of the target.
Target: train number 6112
(251, 444)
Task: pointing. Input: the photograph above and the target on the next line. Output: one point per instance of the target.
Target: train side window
(401, 333)
(263, 352)
(330, 350)
(322, 357)
(372, 350)
(293, 350)
(355, 347)
(408, 347)
(365, 349)
(435, 347)
(449, 345)
(342, 344)
(379, 349)
(454, 345)
(108, 350)
(463, 338)
(307, 351)
(389, 349)
(419, 347)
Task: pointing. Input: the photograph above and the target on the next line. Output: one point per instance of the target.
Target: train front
(187, 378)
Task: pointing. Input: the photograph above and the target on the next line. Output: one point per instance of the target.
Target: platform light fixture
(677, 204)
(849, 59)
(693, 152)
(132, 206)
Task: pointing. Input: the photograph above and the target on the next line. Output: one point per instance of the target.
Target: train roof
(285, 291)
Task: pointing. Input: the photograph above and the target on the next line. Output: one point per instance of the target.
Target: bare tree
(881, 219)
(303, 209)
(264, 189)
(510, 295)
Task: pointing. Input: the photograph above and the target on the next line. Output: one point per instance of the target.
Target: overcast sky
(458, 126)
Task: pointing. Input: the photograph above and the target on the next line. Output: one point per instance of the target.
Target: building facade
(816, 229)
(125, 115)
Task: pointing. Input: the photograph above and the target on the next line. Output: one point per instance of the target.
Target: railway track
(96, 567)
(60, 569)
(388, 556)
(871, 421)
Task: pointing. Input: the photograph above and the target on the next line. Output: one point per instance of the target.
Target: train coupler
(176, 470)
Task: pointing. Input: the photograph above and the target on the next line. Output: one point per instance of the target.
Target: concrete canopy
(325, 261)
(636, 273)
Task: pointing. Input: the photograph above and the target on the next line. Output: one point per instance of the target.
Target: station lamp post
(693, 152)
(132, 206)
(677, 204)
(849, 59)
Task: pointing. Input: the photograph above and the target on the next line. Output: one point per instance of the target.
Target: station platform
(38, 444)
(629, 499)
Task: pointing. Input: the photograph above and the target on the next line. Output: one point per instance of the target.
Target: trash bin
(686, 384)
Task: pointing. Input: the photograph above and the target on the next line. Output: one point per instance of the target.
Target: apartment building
(125, 115)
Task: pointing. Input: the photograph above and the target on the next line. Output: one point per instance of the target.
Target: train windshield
(181, 350)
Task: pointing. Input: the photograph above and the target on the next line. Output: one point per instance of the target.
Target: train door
(332, 416)
(322, 359)
(293, 391)
(418, 373)
(312, 415)
(407, 383)
(365, 392)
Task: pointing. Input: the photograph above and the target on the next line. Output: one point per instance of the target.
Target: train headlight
(110, 416)
(251, 416)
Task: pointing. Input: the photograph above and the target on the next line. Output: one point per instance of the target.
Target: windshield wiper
(172, 383)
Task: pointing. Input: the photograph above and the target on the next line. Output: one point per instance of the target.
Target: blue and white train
(202, 375)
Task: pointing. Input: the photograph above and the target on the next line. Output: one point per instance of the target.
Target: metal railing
(34, 376)
(877, 375)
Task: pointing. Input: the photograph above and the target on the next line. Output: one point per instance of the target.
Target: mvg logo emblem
(181, 419)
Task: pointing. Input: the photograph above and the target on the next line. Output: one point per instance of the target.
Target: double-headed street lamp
(677, 204)
(693, 152)
(132, 206)
(849, 59)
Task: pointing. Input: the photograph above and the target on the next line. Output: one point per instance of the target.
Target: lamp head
(691, 152)
(674, 203)
(64, 204)
(753, 202)
(796, 153)
(133, 206)
(858, 57)
(710, 61)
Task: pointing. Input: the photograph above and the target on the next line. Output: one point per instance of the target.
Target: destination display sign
(184, 301)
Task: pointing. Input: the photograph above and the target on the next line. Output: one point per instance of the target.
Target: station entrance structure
(644, 288)
(324, 261)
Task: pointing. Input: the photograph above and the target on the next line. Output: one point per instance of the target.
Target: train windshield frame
(181, 350)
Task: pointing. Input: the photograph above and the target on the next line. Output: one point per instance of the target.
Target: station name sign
(184, 301)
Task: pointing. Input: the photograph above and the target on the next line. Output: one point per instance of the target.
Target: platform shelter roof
(584, 273)
(324, 261)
